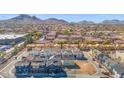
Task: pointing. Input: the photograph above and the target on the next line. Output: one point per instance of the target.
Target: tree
(107, 42)
(83, 33)
(35, 35)
(16, 49)
(121, 29)
(13, 43)
(28, 39)
(89, 42)
(71, 30)
(95, 29)
(2, 54)
(61, 43)
(38, 34)
(67, 32)
(76, 42)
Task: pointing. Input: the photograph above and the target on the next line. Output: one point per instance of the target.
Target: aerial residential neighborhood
(31, 47)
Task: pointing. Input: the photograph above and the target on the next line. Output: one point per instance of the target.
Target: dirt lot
(85, 68)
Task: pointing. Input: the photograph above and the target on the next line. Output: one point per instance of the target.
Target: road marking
(13, 60)
(6, 66)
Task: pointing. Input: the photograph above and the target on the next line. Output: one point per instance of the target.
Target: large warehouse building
(8, 39)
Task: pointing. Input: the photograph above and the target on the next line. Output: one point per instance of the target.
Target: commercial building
(9, 39)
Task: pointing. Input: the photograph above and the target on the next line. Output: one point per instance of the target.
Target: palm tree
(61, 43)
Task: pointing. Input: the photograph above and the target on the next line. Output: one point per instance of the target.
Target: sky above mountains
(71, 17)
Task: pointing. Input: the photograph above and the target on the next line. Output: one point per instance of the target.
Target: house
(51, 35)
(63, 37)
(117, 35)
(94, 39)
(119, 41)
(75, 37)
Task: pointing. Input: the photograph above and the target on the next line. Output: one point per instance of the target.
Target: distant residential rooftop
(11, 36)
(52, 33)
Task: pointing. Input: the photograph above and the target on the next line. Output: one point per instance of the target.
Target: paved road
(8, 70)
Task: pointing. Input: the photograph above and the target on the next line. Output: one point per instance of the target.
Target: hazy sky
(72, 17)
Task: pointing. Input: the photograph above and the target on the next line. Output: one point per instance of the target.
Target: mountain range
(24, 18)
(27, 19)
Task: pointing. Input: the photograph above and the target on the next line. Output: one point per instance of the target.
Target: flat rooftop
(11, 36)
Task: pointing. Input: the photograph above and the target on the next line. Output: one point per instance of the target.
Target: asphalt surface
(7, 68)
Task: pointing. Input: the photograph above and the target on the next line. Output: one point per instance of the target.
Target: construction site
(57, 63)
